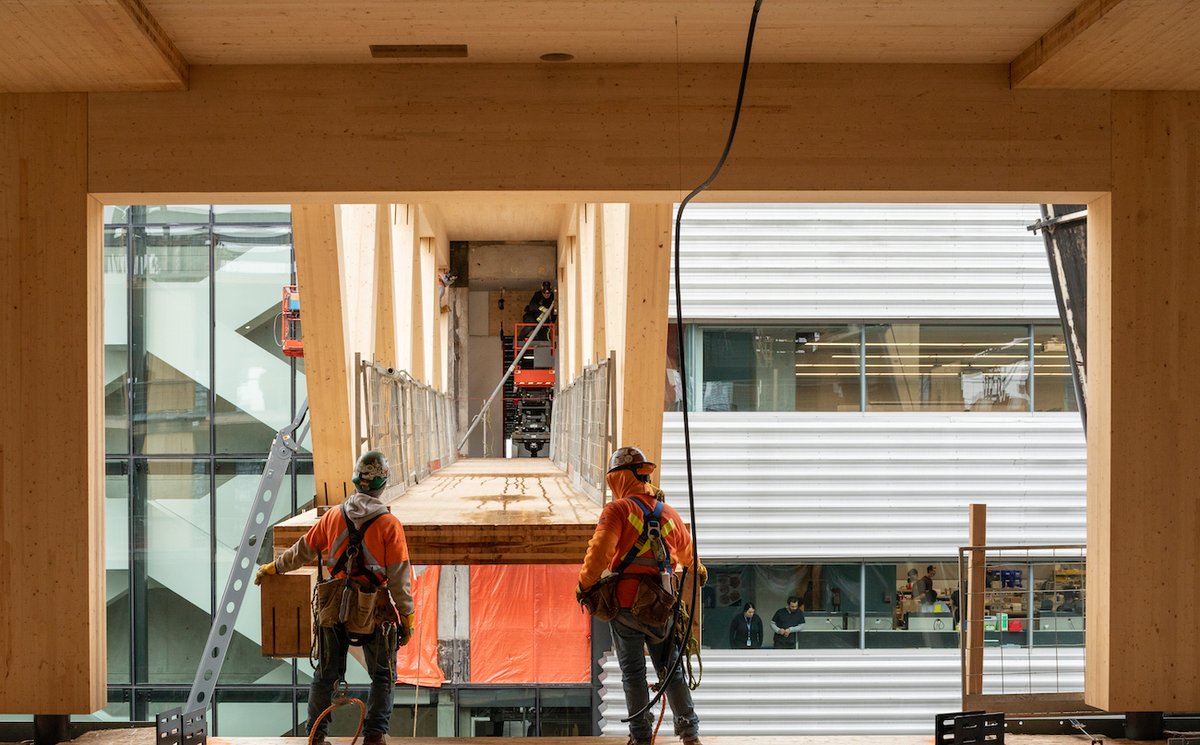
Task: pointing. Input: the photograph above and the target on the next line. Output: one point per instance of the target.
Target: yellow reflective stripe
(635, 519)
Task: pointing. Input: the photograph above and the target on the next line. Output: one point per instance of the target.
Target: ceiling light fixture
(418, 51)
(557, 57)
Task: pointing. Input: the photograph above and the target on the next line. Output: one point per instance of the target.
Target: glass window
(433, 709)
(925, 367)
(252, 381)
(252, 213)
(912, 604)
(173, 214)
(116, 213)
(1053, 386)
(673, 390)
(780, 368)
(237, 486)
(175, 558)
(266, 713)
(170, 341)
(827, 611)
(496, 712)
(1058, 597)
(116, 340)
(119, 708)
(565, 712)
(116, 569)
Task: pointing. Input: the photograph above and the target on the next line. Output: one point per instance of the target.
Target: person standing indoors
(638, 544)
(786, 624)
(746, 629)
(362, 543)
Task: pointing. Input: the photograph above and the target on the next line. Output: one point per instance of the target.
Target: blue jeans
(629, 645)
(380, 655)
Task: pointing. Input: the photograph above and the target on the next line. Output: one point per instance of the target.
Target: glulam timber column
(643, 356)
(327, 369)
(1143, 652)
(52, 625)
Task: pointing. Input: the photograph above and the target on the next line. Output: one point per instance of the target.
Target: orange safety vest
(619, 528)
(383, 543)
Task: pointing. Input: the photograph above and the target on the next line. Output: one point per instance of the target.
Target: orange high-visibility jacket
(385, 552)
(618, 530)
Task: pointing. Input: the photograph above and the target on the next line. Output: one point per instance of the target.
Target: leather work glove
(405, 629)
(263, 571)
(578, 592)
(702, 574)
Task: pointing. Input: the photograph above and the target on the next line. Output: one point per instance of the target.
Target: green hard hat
(372, 471)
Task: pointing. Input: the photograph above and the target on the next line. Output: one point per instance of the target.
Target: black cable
(687, 437)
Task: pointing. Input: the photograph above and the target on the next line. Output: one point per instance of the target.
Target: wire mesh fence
(409, 422)
(581, 428)
(1031, 615)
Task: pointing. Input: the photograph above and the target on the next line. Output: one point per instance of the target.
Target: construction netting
(417, 662)
(581, 427)
(526, 626)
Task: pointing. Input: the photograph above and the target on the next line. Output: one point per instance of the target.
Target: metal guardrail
(411, 423)
(1032, 600)
(582, 425)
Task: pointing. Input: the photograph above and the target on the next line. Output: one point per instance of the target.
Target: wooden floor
(145, 736)
(486, 511)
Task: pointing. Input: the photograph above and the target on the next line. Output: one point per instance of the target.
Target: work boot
(375, 738)
(319, 739)
(693, 741)
(632, 741)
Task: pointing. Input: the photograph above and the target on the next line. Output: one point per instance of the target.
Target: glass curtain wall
(196, 385)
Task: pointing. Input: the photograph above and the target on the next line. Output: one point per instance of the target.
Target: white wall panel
(809, 486)
(843, 692)
(863, 262)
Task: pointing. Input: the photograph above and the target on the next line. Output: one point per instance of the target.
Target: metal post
(51, 729)
(973, 672)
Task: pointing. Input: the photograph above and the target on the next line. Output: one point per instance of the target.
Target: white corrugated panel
(843, 692)
(863, 262)
(803, 487)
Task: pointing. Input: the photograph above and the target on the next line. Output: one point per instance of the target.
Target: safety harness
(652, 534)
(353, 553)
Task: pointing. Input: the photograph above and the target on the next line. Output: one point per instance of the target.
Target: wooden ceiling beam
(1116, 45)
(99, 45)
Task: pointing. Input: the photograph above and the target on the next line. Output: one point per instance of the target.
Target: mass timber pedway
(486, 511)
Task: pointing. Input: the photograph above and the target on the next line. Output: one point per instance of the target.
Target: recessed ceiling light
(425, 51)
(557, 57)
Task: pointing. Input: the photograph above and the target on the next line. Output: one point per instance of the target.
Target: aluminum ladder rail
(283, 449)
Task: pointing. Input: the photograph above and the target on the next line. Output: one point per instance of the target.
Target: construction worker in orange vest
(624, 544)
(380, 561)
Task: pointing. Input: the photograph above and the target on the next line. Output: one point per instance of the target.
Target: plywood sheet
(486, 511)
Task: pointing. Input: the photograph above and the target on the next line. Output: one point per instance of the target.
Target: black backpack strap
(352, 554)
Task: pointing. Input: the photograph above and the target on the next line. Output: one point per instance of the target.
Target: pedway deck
(486, 511)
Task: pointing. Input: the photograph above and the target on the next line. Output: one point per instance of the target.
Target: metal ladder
(283, 448)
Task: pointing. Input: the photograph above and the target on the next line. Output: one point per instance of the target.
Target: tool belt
(653, 604)
(346, 603)
(600, 600)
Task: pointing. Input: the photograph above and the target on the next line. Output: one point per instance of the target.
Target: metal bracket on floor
(173, 727)
(969, 728)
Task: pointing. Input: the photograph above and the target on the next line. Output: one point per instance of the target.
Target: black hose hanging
(687, 439)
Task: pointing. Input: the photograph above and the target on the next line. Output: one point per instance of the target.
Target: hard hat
(372, 471)
(628, 457)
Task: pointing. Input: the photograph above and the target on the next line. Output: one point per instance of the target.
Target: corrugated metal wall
(807, 487)
(848, 692)
(863, 262)
(810, 486)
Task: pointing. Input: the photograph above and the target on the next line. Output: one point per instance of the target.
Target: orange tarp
(526, 626)
(417, 662)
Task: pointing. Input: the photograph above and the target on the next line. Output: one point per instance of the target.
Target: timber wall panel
(597, 127)
(1145, 439)
(52, 626)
